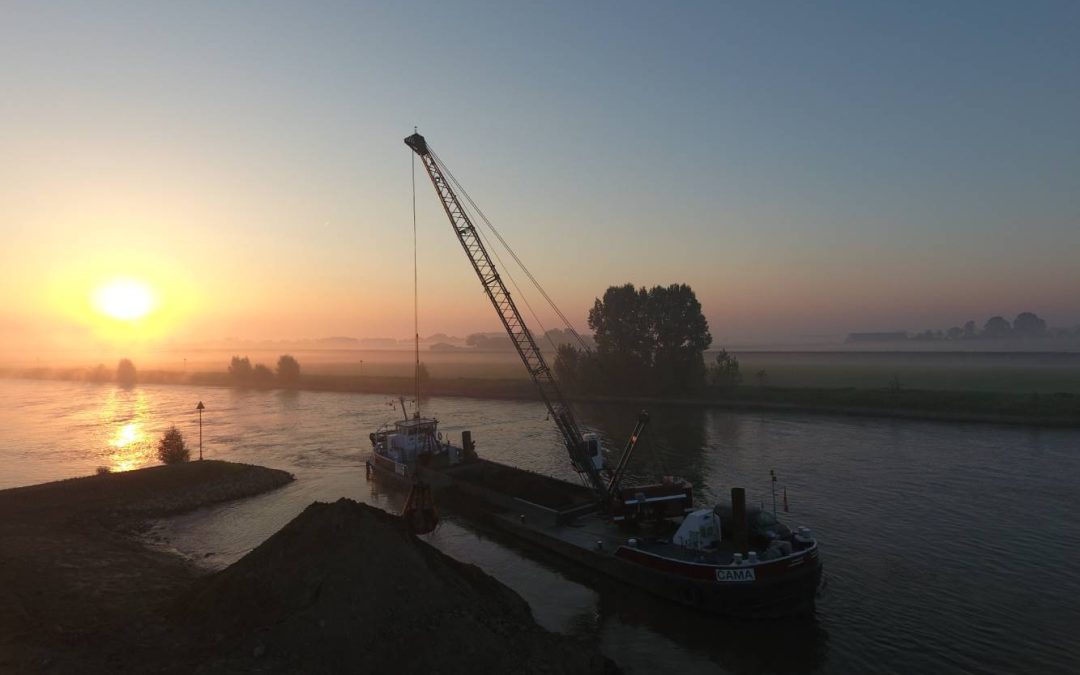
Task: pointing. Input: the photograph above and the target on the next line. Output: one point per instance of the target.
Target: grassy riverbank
(1058, 409)
(1054, 408)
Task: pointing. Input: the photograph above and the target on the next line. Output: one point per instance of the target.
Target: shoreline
(979, 407)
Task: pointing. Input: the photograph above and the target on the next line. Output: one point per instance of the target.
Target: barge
(727, 559)
(705, 561)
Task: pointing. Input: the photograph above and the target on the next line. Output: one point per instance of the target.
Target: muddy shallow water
(946, 546)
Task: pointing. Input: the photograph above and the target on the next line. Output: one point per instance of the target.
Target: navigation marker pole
(772, 475)
(200, 408)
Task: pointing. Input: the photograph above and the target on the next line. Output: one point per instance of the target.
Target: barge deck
(562, 518)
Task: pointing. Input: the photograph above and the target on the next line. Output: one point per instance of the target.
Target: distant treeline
(1026, 326)
(499, 342)
(243, 374)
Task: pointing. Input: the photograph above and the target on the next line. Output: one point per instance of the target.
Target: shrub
(725, 372)
(171, 447)
(103, 470)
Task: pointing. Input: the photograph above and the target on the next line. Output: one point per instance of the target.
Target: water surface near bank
(947, 546)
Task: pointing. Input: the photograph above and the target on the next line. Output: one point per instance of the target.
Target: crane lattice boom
(511, 318)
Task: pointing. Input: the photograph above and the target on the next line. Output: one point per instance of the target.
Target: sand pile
(344, 588)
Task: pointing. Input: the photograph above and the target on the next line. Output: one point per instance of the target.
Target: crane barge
(728, 560)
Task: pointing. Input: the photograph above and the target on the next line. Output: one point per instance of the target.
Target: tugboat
(400, 446)
(727, 560)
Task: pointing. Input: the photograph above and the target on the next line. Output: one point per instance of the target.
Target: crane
(671, 497)
(584, 449)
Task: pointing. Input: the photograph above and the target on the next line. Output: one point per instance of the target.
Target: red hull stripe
(707, 572)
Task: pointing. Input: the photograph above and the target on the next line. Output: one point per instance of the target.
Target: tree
(620, 325)
(125, 372)
(240, 370)
(568, 365)
(99, 373)
(680, 335)
(650, 339)
(970, 330)
(956, 332)
(288, 369)
(1029, 325)
(997, 327)
(171, 447)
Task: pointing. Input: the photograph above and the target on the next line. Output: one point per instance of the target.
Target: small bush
(171, 447)
(103, 470)
(725, 372)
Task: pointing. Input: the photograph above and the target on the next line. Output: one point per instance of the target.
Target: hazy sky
(809, 168)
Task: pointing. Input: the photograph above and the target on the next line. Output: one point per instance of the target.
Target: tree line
(243, 373)
(1026, 325)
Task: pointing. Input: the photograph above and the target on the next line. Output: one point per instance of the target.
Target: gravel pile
(345, 588)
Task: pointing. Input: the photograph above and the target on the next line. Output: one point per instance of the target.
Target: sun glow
(124, 299)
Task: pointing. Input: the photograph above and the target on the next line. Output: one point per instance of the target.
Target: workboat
(400, 446)
(726, 559)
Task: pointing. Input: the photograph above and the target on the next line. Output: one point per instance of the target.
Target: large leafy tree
(997, 327)
(650, 339)
(1029, 325)
(679, 335)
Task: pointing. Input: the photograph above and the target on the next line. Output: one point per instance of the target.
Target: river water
(947, 547)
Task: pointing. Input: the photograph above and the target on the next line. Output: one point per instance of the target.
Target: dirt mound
(344, 588)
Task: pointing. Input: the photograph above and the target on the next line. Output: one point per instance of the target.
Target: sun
(124, 299)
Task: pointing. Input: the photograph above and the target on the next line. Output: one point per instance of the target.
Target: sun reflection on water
(129, 445)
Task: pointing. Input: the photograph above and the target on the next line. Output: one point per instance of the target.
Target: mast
(511, 319)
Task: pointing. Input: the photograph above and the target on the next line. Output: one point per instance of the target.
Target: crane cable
(416, 286)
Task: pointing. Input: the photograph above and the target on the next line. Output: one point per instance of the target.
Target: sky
(809, 169)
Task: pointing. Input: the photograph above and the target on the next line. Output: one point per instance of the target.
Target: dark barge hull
(554, 516)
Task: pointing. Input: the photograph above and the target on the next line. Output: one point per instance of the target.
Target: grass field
(1003, 372)
(1032, 372)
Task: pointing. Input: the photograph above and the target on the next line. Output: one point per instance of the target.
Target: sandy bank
(78, 593)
